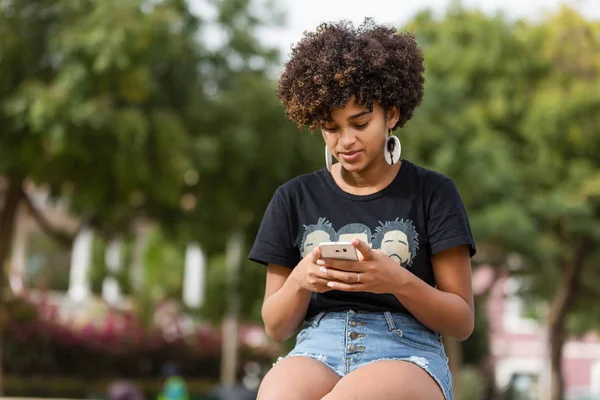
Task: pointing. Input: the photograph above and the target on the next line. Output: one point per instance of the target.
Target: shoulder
(301, 183)
(428, 179)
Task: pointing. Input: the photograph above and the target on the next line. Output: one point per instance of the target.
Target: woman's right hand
(308, 275)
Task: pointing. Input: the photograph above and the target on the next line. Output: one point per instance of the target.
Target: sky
(304, 15)
(307, 14)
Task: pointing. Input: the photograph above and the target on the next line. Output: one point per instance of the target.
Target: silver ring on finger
(357, 277)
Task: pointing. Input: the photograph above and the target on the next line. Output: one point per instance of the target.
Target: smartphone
(338, 251)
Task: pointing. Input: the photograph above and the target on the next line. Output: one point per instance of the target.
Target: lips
(350, 156)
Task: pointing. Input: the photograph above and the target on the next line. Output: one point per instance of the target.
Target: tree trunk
(229, 354)
(556, 339)
(559, 309)
(490, 391)
(482, 296)
(454, 352)
(8, 214)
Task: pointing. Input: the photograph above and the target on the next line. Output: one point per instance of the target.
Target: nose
(347, 138)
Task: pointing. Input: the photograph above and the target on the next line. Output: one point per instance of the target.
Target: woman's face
(356, 136)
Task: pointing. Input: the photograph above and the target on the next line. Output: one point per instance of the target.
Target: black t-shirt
(419, 214)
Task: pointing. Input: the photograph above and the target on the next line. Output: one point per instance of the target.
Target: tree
(511, 115)
(119, 107)
(562, 131)
(93, 103)
(465, 124)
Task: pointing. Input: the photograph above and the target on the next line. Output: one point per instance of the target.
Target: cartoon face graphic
(317, 233)
(355, 230)
(313, 239)
(349, 236)
(395, 245)
(398, 239)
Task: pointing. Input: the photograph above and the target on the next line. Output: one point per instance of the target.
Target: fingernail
(320, 262)
(330, 284)
(324, 270)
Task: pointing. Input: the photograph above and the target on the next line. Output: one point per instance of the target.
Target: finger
(363, 248)
(346, 287)
(342, 265)
(318, 282)
(316, 254)
(341, 276)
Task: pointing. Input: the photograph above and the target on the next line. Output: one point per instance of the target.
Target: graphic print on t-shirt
(317, 233)
(398, 238)
(355, 230)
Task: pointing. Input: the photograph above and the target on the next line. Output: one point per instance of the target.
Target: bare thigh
(297, 378)
(390, 380)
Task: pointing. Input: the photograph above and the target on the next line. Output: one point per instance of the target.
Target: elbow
(273, 329)
(278, 335)
(275, 334)
(466, 324)
(465, 330)
(463, 335)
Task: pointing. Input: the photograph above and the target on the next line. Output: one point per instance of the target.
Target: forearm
(284, 310)
(445, 313)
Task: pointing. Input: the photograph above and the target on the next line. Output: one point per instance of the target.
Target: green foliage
(97, 270)
(47, 264)
(98, 110)
(251, 288)
(471, 383)
(119, 106)
(259, 150)
(511, 113)
(476, 349)
(467, 127)
(163, 268)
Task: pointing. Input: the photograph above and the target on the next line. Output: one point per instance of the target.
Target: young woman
(372, 328)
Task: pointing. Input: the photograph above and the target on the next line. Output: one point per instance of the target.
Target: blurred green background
(140, 143)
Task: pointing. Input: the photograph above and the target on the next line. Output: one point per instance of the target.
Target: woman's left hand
(375, 272)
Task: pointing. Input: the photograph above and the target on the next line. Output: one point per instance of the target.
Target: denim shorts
(347, 340)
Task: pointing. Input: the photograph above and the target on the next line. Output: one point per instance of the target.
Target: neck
(373, 178)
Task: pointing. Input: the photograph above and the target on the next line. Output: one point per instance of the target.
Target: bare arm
(287, 295)
(449, 308)
(285, 303)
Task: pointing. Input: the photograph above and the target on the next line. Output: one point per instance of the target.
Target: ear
(393, 115)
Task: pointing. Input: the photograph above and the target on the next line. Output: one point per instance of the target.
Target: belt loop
(317, 319)
(390, 320)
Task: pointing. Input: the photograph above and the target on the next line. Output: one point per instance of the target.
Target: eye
(361, 126)
(329, 129)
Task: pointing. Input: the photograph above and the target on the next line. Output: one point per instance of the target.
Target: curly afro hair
(372, 63)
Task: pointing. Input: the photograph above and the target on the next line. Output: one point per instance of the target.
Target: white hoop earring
(328, 158)
(393, 150)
